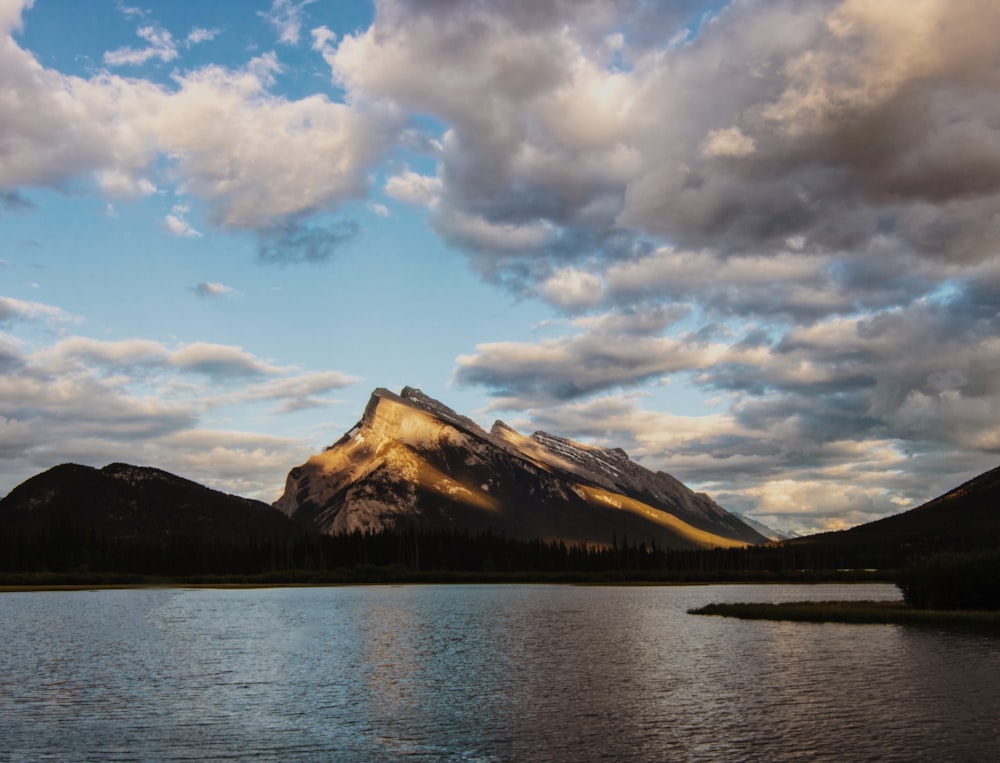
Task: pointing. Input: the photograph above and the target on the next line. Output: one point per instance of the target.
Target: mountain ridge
(73, 518)
(126, 501)
(413, 459)
(964, 519)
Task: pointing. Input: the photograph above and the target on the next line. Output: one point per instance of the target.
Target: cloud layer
(816, 185)
(788, 206)
(82, 399)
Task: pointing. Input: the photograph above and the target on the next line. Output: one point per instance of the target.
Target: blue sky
(753, 243)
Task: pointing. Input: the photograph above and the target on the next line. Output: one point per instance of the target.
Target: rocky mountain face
(124, 501)
(413, 460)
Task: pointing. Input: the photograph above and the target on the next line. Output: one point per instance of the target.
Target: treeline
(66, 548)
(953, 581)
(63, 552)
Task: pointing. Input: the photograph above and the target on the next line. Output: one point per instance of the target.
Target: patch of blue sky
(228, 33)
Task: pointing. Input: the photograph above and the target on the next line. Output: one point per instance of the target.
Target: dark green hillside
(131, 502)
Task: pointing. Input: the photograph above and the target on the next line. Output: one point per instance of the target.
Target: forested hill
(122, 501)
(962, 520)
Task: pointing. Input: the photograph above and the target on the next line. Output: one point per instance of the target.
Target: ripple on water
(480, 673)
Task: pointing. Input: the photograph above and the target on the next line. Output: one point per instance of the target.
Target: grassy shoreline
(859, 612)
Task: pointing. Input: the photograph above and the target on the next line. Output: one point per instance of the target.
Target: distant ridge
(413, 460)
(768, 532)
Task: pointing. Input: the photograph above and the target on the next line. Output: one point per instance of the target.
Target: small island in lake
(947, 589)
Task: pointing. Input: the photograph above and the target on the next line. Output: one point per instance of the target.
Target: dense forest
(962, 577)
(71, 550)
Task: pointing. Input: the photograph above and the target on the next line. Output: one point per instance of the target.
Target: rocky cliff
(413, 460)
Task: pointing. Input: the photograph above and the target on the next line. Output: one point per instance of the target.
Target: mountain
(768, 532)
(412, 460)
(123, 501)
(962, 520)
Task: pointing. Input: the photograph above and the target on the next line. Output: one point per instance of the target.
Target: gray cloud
(734, 141)
(297, 242)
(12, 201)
(575, 366)
(93, 402)
(819, 182)
(220, 361)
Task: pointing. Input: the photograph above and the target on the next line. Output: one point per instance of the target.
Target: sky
(753, 243)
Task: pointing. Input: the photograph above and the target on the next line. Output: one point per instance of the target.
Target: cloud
(214, 290)
(728, 142)
(535, 124)
(249, 464)
(776, 172)
(323, 38)
(414, 188)
(49, 397)
(95, 401)
(199, 35)
(804, 408)
(177, 225)
(162, 46)
(575, 366)
(571, 289)
(219, 361)
(274, 143)
(826, 485)
(217, 135)
(727, 129)
(379, 209)
(12, 310)
(11, 201)
(295, 242)
(788, 206)
(575, 128)
(636, 321)
(300, 392)
(286, 17)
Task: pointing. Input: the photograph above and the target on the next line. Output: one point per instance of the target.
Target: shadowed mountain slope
(122, 501)
(412, 460)
(962, 520)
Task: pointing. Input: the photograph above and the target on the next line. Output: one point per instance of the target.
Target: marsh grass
(854, 612)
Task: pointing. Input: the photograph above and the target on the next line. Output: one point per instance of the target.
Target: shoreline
(370, 575)
(434, 580)
(855, 612)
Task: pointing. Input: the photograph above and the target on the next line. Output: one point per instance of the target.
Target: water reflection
(480, 673)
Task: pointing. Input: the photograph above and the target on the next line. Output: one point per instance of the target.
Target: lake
(482, 673)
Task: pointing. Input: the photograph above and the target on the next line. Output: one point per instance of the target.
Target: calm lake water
(481, 673)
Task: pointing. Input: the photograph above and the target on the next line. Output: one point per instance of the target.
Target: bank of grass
(882, 612)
